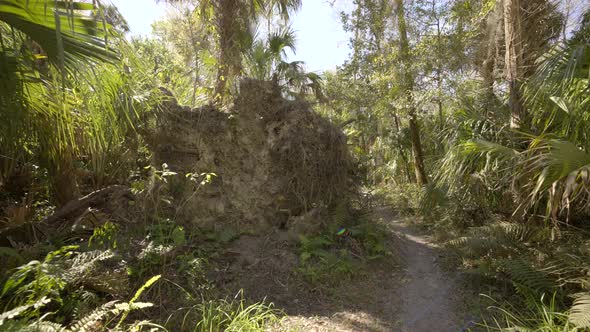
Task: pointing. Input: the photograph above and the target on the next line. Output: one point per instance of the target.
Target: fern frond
(89, 321)
(132, 305)
(123, 307)
(83, 263)
(501, 238)
(341, 214)
(46, 326)
(91, 257)
(11, 314)
(529, 280)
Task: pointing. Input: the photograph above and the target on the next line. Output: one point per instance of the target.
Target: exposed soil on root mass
(272, 158)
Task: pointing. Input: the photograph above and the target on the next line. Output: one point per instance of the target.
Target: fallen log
(94, 199)
(74, 211)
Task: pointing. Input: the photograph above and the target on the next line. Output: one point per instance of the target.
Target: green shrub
(403, 197)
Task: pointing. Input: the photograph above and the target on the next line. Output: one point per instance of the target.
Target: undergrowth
(83, 287)
(33, 313)
(233, 314)
(536, 277)
(531, 275)
(349, 242)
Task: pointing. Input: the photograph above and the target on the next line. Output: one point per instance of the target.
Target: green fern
(45, 326)
(529, 281)
(48, 278)
(90, 320)
(18, 311)
(106, 312)
(131, 304)
(500, 239)
(341, 214)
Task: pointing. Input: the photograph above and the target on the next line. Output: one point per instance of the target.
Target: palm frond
(66, 36)
(580, 311)
(557, 169)
(280, 41)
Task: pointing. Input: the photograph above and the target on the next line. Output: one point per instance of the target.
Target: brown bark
(220, 84)
(402, 152)
(421, 177)
(439, 67)
(95, 198)
(64, 180)
(493, 38)
(229, 60)
(514, 59)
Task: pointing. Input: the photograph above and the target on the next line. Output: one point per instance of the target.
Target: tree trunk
(64, 181)
(439, 67)
(229, 59)
(493, 37)
(402, 152)
(514, 59)
(194, 43)
(409, 87)
(421, 177)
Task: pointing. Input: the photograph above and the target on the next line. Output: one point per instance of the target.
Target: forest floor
(408, 290)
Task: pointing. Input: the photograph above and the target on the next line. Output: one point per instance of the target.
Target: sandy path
(428, 293)
(407, 292)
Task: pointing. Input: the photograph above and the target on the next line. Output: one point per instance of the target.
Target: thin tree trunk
(355, 53)
(421, 177)
(229, 60)
(403, 153)
(514, 59)
(64, 180)
(493, 36)
(194, 42)
(439, 67)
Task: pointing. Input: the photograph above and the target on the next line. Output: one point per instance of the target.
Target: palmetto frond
(299, 82)
(580, 311)
(280, 41)
(265, 57)
(564, 64)
(476, 156)
(560, 170)
(559, 93)
(62, 29)
(284, 7)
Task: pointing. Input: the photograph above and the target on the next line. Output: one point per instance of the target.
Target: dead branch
(94, 199)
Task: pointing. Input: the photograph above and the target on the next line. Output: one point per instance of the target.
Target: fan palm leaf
(64, 33)
(580, 311)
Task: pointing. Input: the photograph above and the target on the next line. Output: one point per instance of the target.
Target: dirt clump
(272, 158)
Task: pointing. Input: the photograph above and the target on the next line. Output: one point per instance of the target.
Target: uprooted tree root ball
(272, 158)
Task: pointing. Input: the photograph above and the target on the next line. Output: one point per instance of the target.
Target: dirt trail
(419, 297)
(406, 291)
(429, 294)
